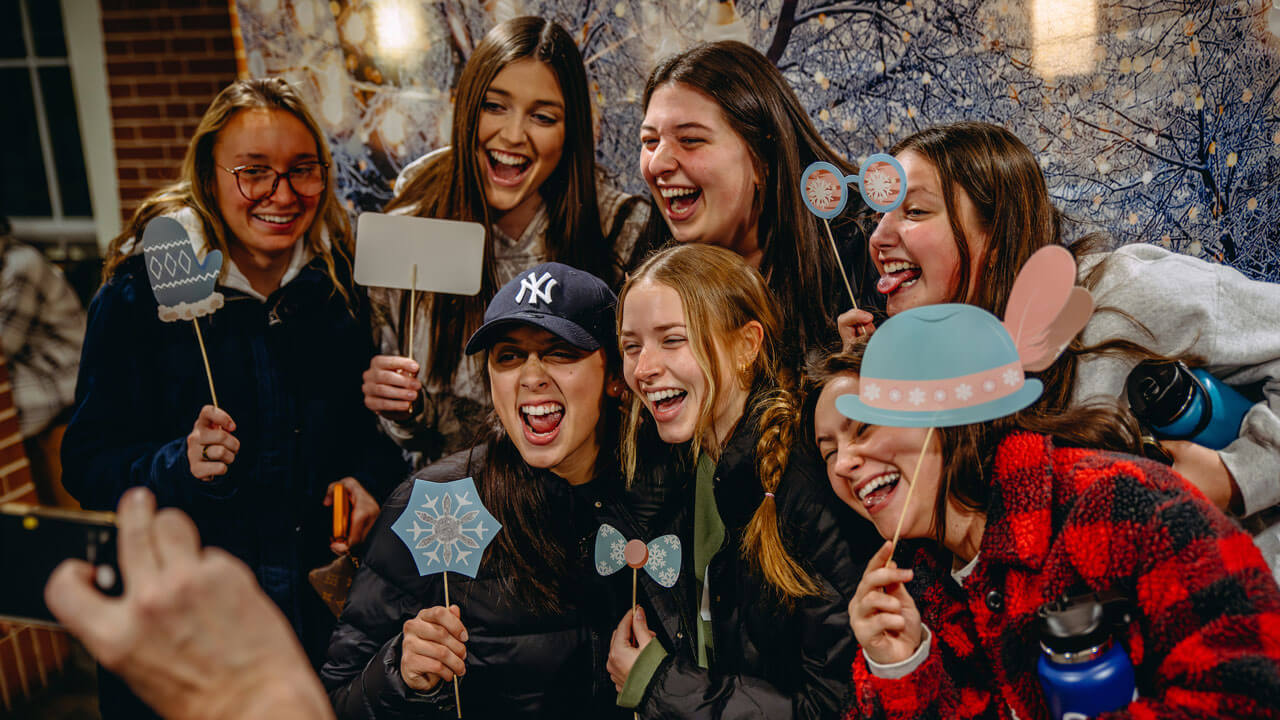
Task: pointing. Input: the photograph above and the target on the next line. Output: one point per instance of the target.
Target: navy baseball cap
(573, 305)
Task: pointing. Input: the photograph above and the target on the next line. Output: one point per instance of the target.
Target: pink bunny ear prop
(1045, 309)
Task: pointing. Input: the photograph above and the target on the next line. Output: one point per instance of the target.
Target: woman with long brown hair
(522, 163)
(977, 207)
(755, 625)
(723, 145)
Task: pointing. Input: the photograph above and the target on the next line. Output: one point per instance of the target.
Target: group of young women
(699, 401)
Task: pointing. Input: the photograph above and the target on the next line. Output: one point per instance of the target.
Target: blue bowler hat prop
(953, 364)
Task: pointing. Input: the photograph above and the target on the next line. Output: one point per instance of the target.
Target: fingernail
(465, 636)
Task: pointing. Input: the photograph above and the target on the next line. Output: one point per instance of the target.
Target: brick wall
(166, 59)
(30, 657)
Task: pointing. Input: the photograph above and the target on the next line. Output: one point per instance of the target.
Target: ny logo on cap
(537, 293)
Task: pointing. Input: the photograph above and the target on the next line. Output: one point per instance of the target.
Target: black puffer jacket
(520, 663)
(769, 661)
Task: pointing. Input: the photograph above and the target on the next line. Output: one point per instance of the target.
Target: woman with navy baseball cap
(523, 633)
(1023, 510)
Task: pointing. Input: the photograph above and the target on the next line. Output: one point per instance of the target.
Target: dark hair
(720, 294)
(968, 451)
(532, 557)
(1003, 180)
(196, 187)
(761, 107)
(452, 185)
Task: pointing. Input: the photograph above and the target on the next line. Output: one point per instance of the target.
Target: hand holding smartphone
(33, 540)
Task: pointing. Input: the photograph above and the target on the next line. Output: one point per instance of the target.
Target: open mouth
(541, 421)
(666, 404)
(898, 275)
(877, 491)
(680, 201)
(507, 168)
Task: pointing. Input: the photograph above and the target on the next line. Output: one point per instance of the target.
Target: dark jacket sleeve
(121, 434)
(817, 534)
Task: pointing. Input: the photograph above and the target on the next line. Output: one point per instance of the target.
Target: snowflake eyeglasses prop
(183, 286)
(446, 528)
(955, 364)
(660, 558)
(881, 180)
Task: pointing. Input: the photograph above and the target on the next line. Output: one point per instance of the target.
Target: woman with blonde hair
(756, 623)
(522, 163)
(255, 471)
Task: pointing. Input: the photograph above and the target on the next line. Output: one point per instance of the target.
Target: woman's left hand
(631, 637)
(1204, 468)
(364, 512)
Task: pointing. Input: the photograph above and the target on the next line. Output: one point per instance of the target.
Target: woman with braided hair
(756, 624)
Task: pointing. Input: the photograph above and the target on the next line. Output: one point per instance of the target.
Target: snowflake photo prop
(445, 527)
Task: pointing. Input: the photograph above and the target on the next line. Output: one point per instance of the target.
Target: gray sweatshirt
(1212, 313)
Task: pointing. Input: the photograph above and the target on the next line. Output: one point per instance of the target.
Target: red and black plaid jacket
(1205, 641)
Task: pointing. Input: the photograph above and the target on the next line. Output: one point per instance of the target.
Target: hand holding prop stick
(446, 527)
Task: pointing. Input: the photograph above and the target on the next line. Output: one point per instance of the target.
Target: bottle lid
(1073, 624)
(1159, 392)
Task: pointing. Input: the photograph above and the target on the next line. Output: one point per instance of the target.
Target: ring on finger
(204, 453)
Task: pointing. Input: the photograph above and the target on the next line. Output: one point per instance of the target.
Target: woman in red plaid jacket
(1016, 512)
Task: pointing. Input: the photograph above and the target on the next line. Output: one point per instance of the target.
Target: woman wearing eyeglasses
(257, 471)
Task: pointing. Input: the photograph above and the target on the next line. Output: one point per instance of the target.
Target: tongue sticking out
(887, 284)
(543, 424)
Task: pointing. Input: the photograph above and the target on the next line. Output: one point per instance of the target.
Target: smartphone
(33, 540)
(341, 514)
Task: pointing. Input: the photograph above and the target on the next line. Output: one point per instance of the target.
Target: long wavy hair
(797, 261)
(451, 186)
(197, 184)
(1001, 176)
(969, 451)
(720, 294)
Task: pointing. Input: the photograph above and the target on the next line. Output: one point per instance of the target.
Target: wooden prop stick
(457, 701)
(413, 310)
(839, 263)
(195, 322)
(907, 503)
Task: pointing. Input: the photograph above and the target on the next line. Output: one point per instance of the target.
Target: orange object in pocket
(341, 513)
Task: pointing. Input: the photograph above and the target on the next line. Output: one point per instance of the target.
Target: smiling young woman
(1014, 513)
(526, 635)
(255, 472)
(977, 207)
(723, 144)
(528, 174)
(774, 554)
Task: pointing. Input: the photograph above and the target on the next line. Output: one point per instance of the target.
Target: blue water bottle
(1083, 670)
(1184, 404)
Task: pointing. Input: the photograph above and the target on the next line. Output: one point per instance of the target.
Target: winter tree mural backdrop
(1154, 120)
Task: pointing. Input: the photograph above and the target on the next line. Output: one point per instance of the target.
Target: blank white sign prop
(449, 254)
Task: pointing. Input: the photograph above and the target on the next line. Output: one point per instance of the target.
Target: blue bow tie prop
(445, 527)
(661, 557)
(184, 288)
